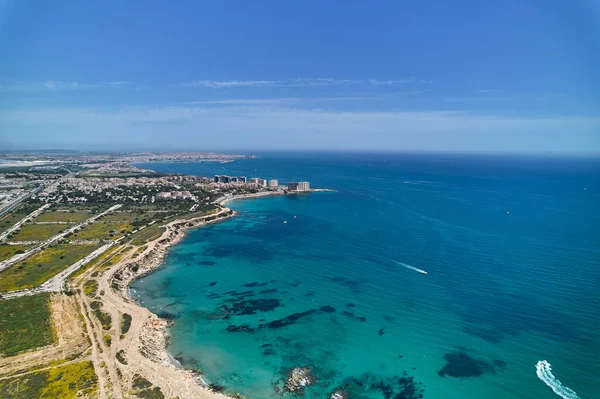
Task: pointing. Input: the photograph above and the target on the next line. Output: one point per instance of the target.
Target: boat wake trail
(544, 373)
(410, 267)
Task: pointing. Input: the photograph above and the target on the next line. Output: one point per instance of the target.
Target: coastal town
(75, 231)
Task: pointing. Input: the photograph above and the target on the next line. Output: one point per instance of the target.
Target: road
(22, 221)
(57, 283)
(17, 258)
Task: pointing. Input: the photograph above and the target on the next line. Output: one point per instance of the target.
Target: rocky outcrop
(339, 394)
(298, 379)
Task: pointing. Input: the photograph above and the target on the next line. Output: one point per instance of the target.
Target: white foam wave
(410, 267)
(544, 373)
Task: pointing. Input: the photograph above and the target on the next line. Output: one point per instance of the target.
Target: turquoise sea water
(511, 250)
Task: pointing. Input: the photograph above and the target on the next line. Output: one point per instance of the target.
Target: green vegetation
(102, 231)
(16, 215)
(62, 216)
(125, 323)
(140, 382)
(42, 266)
(119, 217)
(37, 232)
(25, 323)
(107, 340)
(102, 316)
(90, 287)
(113, 260)
(9, 220)
(65, 382)
(8, 251)
(121, 357)
(154, 393)
(97, 261)
(147, 234)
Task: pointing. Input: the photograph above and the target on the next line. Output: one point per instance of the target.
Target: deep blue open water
(511, 247)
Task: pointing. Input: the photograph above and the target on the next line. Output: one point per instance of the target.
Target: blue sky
(516, 76)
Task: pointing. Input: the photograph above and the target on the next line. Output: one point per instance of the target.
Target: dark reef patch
(327, 309)
(218, 251)
(254, 284)
(167, 316)
(286, 321)
(309, 294)
(397, 387)
(251, 306)
(268, 351)
(207, 263)
(187, 361)
(269, 291)
(350, 305)
(388, 318)
(354, 285)
(381, 331)
(216, 388)
(353, 316)
(212, 283)
(461, 365)
(240, 328)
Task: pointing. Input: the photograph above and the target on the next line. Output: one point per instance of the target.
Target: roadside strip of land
(19, 257)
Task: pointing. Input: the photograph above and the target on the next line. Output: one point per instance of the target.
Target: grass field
(8, 251)
(37, 232)
(25, 323)
(42, 266)
(102, 231)
(76, 217)
(65, 382)
(120, 217)
(147, 234)
(9, 220)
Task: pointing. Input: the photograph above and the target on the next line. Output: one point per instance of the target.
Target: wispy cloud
(299, 82)
(59, 85)
(275, 101)
(272, 127)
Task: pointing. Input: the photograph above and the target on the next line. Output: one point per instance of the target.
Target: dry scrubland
(8, 251)
(42, 266)
(37, 232)
(60, 216)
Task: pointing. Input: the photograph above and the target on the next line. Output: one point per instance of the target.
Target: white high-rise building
(272, 183)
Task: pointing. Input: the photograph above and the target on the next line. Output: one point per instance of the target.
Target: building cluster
(229, 179)
(99, 184)
(298, 186)
(262, 183)
(174, 195)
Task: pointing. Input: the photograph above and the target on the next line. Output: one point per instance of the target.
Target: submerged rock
(240, 328)
(339, 394)
(298, 379)
(461, 365)
(254, 284)
(252, 306)
(328, 309)
(291, 319)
